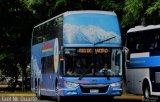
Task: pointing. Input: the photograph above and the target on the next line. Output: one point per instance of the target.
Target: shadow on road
(90, 99)
(81, 99)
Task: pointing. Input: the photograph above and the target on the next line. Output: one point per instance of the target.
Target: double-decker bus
(143, 67)
(69, 52)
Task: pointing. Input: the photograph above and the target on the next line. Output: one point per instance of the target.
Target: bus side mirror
(125, 50)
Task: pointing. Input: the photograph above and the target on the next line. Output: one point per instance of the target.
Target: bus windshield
(92, 62)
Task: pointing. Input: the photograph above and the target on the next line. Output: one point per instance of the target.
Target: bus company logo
(47, 47)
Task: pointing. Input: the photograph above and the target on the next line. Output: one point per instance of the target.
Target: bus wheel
(110, 98)
(103, 98)
(146, 92)
(59, 98)
(38, 94)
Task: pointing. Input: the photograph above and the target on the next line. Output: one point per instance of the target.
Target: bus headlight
(69, 84)
(116, 84)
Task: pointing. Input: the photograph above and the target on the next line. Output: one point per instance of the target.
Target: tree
(55, 7)
(141, 12)
(16, 24)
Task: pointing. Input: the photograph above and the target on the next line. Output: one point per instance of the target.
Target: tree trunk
(24, 78)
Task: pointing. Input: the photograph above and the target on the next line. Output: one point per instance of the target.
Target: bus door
(116, 61)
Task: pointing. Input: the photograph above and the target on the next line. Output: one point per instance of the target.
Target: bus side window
(157, 45)
(139, 47)
(152, 46)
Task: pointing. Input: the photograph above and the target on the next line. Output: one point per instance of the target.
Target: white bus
(143, 57)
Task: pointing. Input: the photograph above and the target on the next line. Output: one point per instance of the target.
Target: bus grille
(88, 88)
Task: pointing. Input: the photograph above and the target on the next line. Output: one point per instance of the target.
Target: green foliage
(30, 3)
(60, 3)
(154, 7)
(111, 5)
(51, 8)
(133, 11)
(16, 25)
(3, 56)
(141, 12)
(130, 12)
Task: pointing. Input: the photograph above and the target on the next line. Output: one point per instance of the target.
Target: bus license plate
(94, 90)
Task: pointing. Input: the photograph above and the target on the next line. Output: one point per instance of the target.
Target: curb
(27, 95)
(129, 97)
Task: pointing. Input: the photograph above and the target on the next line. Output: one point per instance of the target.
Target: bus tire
(103, 98)
(38, 93)
(146, 90)
(60, 99)
(110, 98)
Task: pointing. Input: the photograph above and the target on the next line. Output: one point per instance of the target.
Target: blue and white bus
(143, 68)
(69, 51)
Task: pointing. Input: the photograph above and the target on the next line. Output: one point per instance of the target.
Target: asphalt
(116, 97)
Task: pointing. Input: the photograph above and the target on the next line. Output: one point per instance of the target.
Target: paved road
(87, 99)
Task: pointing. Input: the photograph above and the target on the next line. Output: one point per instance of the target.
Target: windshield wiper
(104, 40)
(82, 75)
(106, 73)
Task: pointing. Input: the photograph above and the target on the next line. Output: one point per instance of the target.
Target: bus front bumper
(78, 91)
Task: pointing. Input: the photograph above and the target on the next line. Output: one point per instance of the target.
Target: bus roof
(48, 20)
(142, 28)
(78, 12)
(90, 12)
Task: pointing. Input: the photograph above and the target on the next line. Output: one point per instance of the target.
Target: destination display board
(91, 50)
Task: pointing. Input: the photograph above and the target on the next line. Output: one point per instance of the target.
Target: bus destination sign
(90, 50)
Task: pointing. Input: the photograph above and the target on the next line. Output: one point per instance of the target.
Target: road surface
(77, 99)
